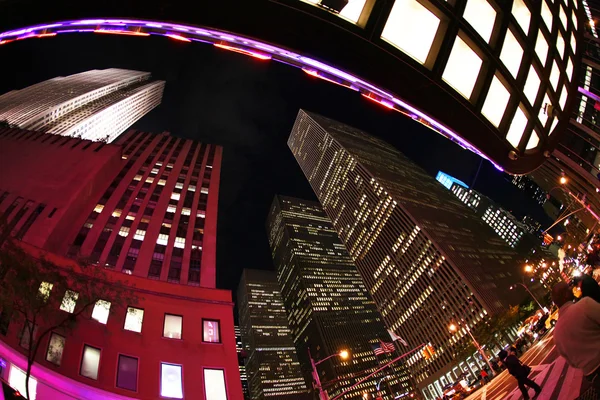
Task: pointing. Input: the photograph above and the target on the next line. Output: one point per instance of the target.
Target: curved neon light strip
(245, 45)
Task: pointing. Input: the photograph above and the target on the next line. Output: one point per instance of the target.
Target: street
(549, 370)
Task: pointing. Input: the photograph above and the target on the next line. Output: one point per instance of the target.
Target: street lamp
(343, 354)
(454, 328)
(528, 268)
(530, 293)
(563, 180)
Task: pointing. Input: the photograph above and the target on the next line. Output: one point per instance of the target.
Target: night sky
(248, 106)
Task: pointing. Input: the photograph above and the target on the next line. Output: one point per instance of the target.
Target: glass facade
(328, 306)
(424, 257)
(272, 365)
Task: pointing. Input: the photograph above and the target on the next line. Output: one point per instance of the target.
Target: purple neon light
(278, 54)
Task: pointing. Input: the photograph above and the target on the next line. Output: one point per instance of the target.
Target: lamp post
(530, 293)
(453, 328)
(315, 374)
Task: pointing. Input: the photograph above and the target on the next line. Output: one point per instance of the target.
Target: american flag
(383, 347)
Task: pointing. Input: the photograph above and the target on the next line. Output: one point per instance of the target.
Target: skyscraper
(328, 306)
(272, 365)
(158, 216)
(95, 105)
(426, 259)
(241, 351)
(144, 209)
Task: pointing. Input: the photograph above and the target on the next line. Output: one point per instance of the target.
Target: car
(456, 390)
(552, 318)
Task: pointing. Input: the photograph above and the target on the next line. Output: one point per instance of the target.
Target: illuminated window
(99, 208)
(171, 209)
(179, 185)
(411, 27)
(521, 14)
(462, 68)
(495, 102)
(547, 15)
(45, 289)
(532, 85)
(569, 69)
(563, 98)
(179, 242)
(543, 115)
(116, 213)
(139, 234)
(204, 190)
(69, 301)
(175, 196)
(517, 128)
(17, 379)
(124, 231)
(56, 345)
(101, 311)
(162, 239)
(554, 123)
(186, 211)
(560, 45)
(554, 75)
(134, 319)
(481, 15)
(162, 182)
(574, 18)
(541, 47)
(563, 17)
(210, 331)
(127, 372)
(214, 384)
(172, 326)
(171, 384)
(533, 141)
(137, 178)
(149, 179)
(573, 42)
(90, 362)
(512, 53)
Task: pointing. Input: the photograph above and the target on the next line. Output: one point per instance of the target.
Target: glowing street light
(559, 238)
(343, 354)
(528, 268)
(454, 328)
(563, 180)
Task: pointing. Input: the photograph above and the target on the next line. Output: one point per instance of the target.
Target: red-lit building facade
(145, 209)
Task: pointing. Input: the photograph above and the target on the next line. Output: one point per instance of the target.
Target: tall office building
(328, 306)
(158, 216)
(143, 207)
(241, 352)
(96, 105)
(272, 365)
(426, 259)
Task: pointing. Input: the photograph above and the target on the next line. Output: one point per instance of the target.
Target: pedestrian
(520, 371)
(577, 332)
(484, 377)
(588, 286)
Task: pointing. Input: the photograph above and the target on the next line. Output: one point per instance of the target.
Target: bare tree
(47, 298)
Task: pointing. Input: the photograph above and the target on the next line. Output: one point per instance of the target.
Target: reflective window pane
(481, 15)
(134, 319)
(214, 384)
(171, 384)
(547, 15)
(210, 331)
(101, 311)
(532, 85)
(569, 69)
(554, 75)
(563, 98)
(517, 128)
(172, 328)
(560, 45)
(521, 14)
(563, 16)
(541, 47)
(533, 141)
(90, 362)
(462, 68)
(56, 345)
(411, 28)
(496, 102)
(543, 115)
(512, 53)
(69, 301)
(127, 372)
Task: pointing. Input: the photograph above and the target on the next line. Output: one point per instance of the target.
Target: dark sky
(249, 107)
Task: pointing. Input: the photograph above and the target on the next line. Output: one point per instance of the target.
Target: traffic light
(428, 351)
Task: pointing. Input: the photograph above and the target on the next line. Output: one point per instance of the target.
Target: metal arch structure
(304, 36)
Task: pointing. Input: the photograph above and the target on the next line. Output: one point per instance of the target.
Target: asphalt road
(549, 370)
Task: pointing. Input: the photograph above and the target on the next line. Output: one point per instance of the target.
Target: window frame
(137, 373)
(165, 321)
(218, 321)
(48, 348)
(81, 362)
(125, 320)
(160, 372)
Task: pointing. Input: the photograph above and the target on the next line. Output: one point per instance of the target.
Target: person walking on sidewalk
(521, 372)
(577, 332)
